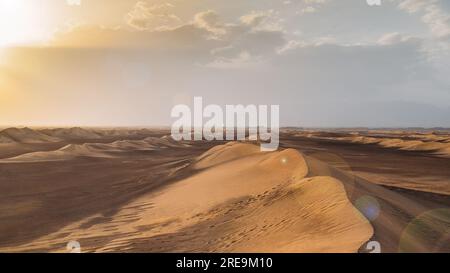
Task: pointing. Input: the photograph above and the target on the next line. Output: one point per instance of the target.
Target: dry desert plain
(137, 190)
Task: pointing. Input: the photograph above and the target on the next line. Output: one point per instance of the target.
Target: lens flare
(368, 206)
(428, 232)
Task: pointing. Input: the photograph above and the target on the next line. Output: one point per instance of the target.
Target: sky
(327, 63)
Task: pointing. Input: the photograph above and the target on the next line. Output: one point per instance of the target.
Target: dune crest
(223, 153)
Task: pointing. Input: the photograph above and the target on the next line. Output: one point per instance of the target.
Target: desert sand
(137, 190)
(99, 150)
(424, 142)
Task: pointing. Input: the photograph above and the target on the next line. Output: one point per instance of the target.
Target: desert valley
(138, 190)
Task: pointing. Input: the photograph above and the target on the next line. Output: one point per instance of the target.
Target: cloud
(393, 38)
(252, 41)
(308, 9)
(413, 6)
(295, 44)
(437, 19)
(317, 79)
(209, 20)
(145, 16)
(290, 45)
(351, 69)
(263, 20)
(242, 60)
(312, 6)
(315, 1)
(190, 36)
(205, 40)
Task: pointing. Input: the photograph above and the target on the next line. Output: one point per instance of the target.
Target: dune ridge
(16, 135)
(432, 143)
(223, 153)
(438, 148)
(100, 150)
(71, 133)
(25, 135)
(250, 201)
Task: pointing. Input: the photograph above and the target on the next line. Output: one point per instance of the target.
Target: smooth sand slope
(236, 199)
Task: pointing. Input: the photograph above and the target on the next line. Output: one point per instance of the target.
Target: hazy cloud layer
(388, 75)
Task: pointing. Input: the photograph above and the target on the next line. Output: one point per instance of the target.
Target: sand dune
(438, 148)
(5, 139)
(153, 194)
(126, 132)
(166, 141)
(66, 153)
(99, 150)
(71, 133)
(25, 135)
(432, 143)
(223, 153)
(117, 132)
(253, 201)
(431, 137)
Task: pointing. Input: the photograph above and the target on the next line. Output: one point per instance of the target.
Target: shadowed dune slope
(5, 139)
(252, 202)
(25, 135)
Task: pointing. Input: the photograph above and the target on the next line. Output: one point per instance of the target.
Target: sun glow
(19, 22)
